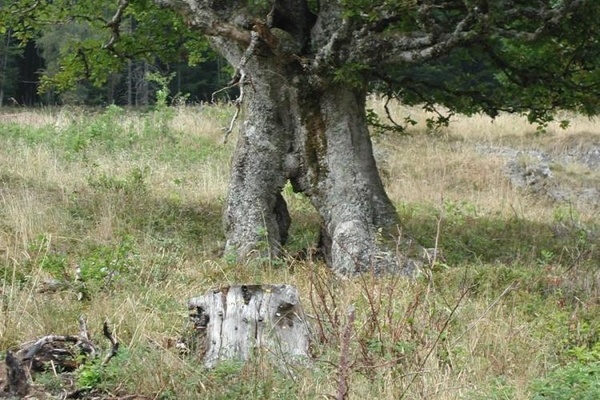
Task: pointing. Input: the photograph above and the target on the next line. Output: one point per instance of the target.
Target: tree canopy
(467, 55)
(81, 42)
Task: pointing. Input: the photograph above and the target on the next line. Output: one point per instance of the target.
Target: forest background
(22, 67)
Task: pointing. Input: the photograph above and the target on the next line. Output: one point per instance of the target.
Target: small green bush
(576, 381)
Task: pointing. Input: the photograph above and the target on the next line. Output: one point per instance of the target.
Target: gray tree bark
(318, 139)
(340, 176)
(256, 218)
(301, 126)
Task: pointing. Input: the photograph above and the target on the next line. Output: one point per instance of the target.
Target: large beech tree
(304, 70)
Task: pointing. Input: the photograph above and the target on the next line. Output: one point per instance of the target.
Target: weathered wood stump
(246, 321)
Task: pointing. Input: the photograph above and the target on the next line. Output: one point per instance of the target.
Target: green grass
(125, 208)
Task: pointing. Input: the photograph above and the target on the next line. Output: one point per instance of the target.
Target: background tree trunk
(242, 322)
(4, 63)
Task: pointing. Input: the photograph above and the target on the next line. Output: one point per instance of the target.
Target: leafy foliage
(9, 54)
(575, 381)
(86, 43)
(556, 70)
(510, 57)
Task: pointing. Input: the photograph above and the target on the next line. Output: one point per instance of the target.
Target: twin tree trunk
(313, 134)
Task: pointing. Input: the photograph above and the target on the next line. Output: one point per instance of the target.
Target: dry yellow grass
(426, 168)
(172, 220)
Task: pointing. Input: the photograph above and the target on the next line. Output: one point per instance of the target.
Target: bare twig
(510, 287)
(344, 367)
(238, 106)
(239, 79)
(326, 296)
(313, 289)
(230, 85)
(374, 306)
(436, 341)
(396, 125)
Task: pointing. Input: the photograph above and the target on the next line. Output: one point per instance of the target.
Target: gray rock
(532, 171)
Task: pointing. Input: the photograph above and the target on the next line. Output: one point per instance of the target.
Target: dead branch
(239, 79)
(31, 350)
(114, 344)
(441, 333)
(83, 333)
(58, 352)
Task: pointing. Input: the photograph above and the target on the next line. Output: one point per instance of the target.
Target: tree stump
(246, 321)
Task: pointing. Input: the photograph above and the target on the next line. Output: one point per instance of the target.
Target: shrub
(574, 381)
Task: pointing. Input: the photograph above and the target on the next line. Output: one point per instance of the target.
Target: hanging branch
(239, 79)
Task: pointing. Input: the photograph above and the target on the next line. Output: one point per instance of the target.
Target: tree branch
(114, 344)
(204, 17)
(548, 18)
(379, 44)
(392, 48)
(229, 31)
(115, 24)
(28, 9)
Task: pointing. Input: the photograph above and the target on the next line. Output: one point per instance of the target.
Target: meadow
(116, 214)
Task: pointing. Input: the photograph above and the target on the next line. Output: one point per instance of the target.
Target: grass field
(511, 310)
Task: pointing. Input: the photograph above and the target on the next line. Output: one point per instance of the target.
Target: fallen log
(247, 321)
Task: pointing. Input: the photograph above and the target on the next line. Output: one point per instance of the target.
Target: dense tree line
(33, 72)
